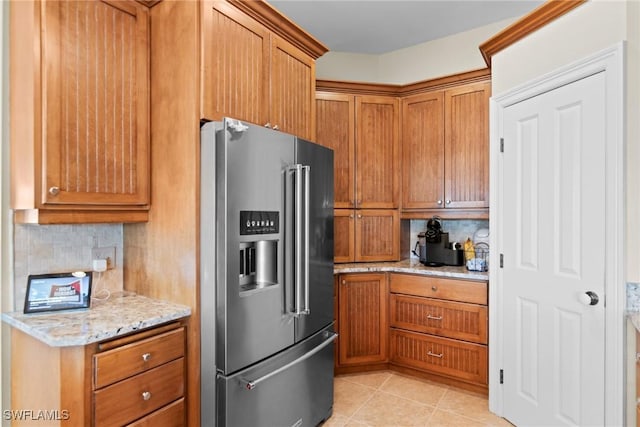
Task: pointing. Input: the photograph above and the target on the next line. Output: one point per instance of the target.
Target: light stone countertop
(119, 315)
(411, 266)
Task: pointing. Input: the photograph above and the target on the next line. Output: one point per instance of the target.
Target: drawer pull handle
(434, 317)
(435, 355)
(146, 395)
(146, 357)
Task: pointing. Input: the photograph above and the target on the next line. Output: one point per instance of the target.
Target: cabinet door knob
(54, 191)
(146, 357)
(439, 202)
(276, 127)
(344, 282)
(448, 202)
(351, 216)
(359, 216)
(146, 395)
(267, 125)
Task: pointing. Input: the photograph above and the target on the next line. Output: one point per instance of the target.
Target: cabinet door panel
(467, 146)
(445, 356)
(449, 319)
(343, 235)
(95, 73)
(377, 235)
(234, 42)
(336, 130)
(292, 107)
(377, 152)
(363, 318)
(423, 151)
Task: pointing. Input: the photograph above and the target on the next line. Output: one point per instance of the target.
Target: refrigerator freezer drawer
(292, 388)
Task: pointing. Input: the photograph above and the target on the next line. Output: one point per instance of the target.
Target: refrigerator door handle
(307, 195)
(250, 385)
(300, 239)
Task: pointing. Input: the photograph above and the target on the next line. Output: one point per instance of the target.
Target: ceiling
(376, 27)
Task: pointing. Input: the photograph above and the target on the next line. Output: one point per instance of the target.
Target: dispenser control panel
(259, 222)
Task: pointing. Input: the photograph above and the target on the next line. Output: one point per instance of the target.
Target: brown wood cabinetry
(80, 111)
(137, 379)
(445, 150)
(363, 324)
(187, 85)
(366, 235)
(439, 326)
(252, 74)
(363, 132)
(335, 114)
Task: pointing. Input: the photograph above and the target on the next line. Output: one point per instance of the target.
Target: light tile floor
(390, 399)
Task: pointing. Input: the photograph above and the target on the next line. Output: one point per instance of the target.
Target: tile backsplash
(62, 248)
(633, 296)
(458, 229)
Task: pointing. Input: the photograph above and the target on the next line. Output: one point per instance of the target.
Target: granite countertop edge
(117, 316)
(411, 266)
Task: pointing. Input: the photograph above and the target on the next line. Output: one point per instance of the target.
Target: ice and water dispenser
(258, 260)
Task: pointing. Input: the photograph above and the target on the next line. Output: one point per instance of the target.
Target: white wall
(449, 55)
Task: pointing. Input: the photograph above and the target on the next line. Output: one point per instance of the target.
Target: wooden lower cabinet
(137, 379)
(439, 326)
(454, 358)
(428, 326)
(363, 324)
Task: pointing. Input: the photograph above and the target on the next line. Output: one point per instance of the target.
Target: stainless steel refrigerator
(266, 294)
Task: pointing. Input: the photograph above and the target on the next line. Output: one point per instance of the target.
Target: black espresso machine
(434, 247)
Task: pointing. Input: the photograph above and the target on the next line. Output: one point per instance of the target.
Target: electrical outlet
(108, 253)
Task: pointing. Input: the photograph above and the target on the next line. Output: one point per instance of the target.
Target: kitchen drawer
(171, 415)
(443, 356)
(433, 287)
(131, 359)
(131, 399)
(444, 318)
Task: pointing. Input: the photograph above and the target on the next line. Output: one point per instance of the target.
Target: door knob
(589, 298)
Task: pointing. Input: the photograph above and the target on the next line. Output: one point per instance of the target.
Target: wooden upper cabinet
(467, 146)
(293, 90)
(80, 111)
(232, 42)
(335, 114)
(252, 74)
(377, 235)
(423, 151)
(363, 131)
(377, 152)
(445, 149)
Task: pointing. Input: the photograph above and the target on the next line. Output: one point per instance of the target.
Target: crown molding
(382, 89)
(526, 25)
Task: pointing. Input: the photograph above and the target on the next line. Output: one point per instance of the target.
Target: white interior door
(553, 196)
